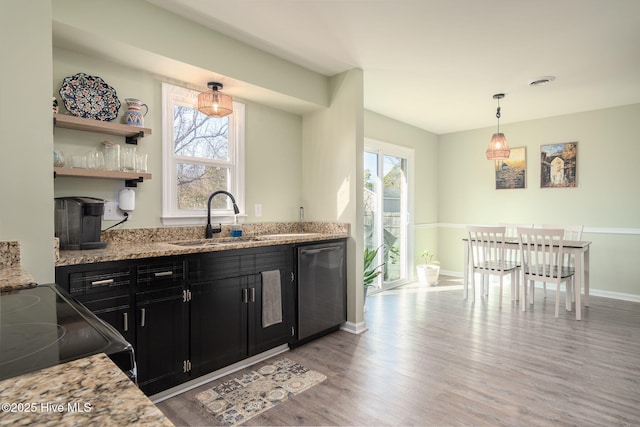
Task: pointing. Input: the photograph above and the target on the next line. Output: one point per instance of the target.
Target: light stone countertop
(91, 391)
(15, 277)
(127, 249)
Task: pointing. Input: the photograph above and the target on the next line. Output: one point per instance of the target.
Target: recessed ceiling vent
(542, 81)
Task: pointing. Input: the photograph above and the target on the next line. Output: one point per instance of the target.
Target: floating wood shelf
(131, 133)
(129, 177)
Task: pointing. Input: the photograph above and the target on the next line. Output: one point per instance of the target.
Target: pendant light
(215, 103)
(498, 147)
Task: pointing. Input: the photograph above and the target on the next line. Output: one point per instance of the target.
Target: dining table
(578, 248)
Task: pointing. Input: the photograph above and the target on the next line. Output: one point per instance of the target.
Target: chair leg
(473, 285)
(544, 287)
(532, 286)
(501, 279)
(567, 295)
(557, 300)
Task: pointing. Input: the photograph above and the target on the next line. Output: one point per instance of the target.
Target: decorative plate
(89, 97)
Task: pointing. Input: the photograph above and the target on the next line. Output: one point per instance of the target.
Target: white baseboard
(354, 328)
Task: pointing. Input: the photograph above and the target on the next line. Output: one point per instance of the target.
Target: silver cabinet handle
(125, 317)
(245, 298)
(143, 316)
(253, 294)
(163, 274)
(101, 282)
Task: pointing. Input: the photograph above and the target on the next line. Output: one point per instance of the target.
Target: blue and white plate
(89, 97)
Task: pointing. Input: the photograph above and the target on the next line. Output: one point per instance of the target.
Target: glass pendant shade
(498, 147)
(215, 103)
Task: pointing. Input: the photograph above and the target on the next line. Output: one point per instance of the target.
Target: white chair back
(541, 254)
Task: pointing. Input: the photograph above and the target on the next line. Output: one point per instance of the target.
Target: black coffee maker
(78, 222)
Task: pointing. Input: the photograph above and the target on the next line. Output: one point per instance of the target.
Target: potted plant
(429, 269)
(370, 272)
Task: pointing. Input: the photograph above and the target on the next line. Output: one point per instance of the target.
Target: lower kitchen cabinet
(218, 324)
(190, 315)
(162, 337)
(226, 312)
(105, 289)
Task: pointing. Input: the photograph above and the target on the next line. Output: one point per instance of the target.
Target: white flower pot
(428, 274)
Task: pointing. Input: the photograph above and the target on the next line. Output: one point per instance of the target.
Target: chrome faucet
(209, 230)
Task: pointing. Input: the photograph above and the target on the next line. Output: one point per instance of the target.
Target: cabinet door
(117, 312)
(265, 338)
(218, 324)
(162, 339)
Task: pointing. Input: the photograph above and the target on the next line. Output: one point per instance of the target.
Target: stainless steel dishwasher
(322, 290)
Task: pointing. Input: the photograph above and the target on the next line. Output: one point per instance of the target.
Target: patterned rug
(235, 401)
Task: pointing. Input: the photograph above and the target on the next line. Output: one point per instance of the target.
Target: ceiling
(437, 64)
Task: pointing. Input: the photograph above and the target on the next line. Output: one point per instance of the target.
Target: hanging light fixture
(498, 147)
(215, 103)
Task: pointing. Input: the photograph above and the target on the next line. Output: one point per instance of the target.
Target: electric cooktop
(44, 326)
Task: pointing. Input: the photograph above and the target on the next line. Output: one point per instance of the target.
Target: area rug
(235, 401)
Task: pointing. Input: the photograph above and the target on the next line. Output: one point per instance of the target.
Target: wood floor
(433, 359)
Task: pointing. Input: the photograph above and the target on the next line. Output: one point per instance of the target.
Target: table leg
(577, 286)
(586, 277)
(466, 270)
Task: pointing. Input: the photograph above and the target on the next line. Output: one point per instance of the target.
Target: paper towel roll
(127, 200)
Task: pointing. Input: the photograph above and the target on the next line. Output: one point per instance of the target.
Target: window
(201, 154)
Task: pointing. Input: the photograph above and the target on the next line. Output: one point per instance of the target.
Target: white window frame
(171, 214)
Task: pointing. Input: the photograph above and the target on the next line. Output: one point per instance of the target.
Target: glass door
(386, 209)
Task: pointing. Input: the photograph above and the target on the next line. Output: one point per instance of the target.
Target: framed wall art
(512, 173)
(558, 165)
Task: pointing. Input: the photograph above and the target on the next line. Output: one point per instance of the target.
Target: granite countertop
(15, 277)
(151, 243)
(90, 391)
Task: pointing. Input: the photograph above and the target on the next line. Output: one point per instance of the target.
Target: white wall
(606, 200)
(26, 139)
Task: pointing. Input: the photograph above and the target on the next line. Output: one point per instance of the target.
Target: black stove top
(44, 326)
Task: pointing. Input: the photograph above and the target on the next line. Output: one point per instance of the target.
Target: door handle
(253, 294)
(143, 315)
(245, 296)
(125, 318)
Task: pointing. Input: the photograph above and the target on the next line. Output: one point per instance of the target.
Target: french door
(386, 209)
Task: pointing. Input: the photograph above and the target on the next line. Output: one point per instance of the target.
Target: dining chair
(571, 232)
(487, 249)
(541, 255)
(511, 230)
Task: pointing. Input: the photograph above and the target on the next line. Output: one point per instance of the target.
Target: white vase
(428, 274)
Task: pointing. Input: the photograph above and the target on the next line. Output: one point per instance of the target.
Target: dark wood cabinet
(218, 324)
(162, 336)
(106, 290)
(190, 315)
(227, 302)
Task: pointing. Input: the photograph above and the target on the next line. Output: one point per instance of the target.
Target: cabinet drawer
(96, 284)
(169, 273)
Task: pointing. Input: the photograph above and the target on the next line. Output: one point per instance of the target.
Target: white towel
(271, 298)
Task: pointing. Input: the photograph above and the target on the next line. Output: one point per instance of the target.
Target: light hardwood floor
(433, 359)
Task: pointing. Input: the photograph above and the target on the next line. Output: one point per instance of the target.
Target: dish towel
(271, 298)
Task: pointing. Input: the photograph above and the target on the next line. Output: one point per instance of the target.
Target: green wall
(606, 200)
(272, 147)
(26, 139)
